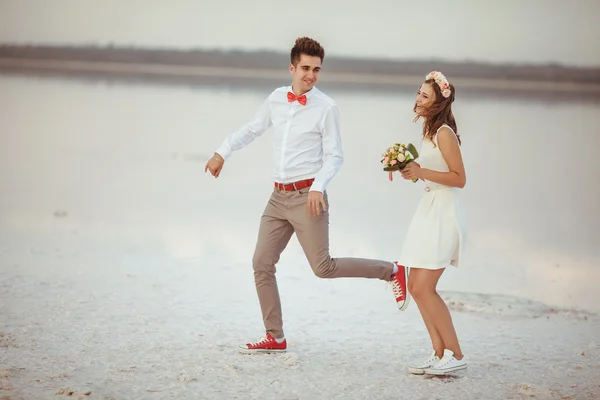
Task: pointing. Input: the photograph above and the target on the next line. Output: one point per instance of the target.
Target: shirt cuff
(224, 151)
(317, 187)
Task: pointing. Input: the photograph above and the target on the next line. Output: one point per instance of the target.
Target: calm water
(123, 166)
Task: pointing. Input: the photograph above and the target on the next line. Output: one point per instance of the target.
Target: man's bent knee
(324, 268)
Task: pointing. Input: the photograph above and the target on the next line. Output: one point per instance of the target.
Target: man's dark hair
(308, 46)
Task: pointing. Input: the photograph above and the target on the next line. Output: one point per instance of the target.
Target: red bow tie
(292, 97)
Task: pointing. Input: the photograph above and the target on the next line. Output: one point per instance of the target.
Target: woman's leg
(422, 286)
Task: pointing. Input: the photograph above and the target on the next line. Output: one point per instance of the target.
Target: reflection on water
(119, 165)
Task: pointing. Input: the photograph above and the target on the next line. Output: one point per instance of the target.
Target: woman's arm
(450, 149)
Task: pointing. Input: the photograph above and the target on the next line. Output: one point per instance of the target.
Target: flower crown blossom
(442, 82)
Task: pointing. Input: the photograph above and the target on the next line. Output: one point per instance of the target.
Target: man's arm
(247, 133)
(333, 156)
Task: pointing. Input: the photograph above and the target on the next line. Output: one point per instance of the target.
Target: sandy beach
(88, 320)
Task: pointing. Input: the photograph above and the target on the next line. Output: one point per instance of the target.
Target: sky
(508, 31)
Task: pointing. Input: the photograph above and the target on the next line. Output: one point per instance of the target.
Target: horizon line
(336, 57)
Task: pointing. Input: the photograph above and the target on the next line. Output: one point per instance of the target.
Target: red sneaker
(399, 281)
(265, 345)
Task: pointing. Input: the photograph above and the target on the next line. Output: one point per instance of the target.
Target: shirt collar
(308, 94)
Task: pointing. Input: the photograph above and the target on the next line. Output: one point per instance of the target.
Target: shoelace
(397, 289)
(445, 360)
(261, 341)
(431, 360)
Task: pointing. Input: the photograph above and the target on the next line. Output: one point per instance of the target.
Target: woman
(436, 233)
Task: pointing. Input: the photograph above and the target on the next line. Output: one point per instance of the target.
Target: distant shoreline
(259, 68)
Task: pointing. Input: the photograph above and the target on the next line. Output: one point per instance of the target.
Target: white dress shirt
(306, 139)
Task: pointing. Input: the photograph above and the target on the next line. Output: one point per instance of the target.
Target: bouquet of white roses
(397, 157)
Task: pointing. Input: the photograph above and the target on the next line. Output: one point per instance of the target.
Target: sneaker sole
(404, 305)
(243, 350)
(416, 371)
(444, 371)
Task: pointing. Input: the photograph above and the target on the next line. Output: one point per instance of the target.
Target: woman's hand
(412, 171)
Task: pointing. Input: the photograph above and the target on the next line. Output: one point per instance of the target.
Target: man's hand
(315, 203)
(215, 165)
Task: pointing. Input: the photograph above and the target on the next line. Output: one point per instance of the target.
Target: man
(308, 153)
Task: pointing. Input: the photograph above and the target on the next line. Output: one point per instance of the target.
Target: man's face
(306, 73)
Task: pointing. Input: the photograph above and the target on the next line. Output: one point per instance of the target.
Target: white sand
(134, 325)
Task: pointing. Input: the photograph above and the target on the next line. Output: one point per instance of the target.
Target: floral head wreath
(442, 82)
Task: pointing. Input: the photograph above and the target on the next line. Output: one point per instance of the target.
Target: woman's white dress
(437, 232)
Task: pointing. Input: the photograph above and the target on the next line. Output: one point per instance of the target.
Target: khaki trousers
(285, 214)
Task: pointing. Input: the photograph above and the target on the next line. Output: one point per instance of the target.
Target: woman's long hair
(438, 113)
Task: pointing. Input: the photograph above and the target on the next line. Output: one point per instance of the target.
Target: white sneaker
(447, 364)
(419, 368)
